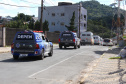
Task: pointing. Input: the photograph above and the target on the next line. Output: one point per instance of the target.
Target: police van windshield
(24, 37)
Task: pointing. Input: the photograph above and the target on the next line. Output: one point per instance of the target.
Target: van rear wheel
(79, 46)
(15, 57)
(41, 57)
(75, 46)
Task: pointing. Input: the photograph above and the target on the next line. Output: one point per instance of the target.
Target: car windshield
(24, 37)
(106, 40)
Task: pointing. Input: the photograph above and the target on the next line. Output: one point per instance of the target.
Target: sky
(30, 7)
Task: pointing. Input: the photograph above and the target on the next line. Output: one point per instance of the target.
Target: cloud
(6, 10)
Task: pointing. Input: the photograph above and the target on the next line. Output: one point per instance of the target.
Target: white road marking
(31, 76)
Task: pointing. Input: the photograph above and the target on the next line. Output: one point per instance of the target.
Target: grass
(115, 57)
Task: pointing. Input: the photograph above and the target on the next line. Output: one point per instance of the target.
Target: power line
(52, 2)
(17, 5)
(30, 2)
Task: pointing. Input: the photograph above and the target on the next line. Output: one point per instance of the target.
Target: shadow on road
(65, 48)
(22, 59)
(114, 50)
(99, 52)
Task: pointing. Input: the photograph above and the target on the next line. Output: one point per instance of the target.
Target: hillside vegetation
(99, 18)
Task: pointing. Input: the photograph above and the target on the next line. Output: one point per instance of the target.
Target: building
(59, 16)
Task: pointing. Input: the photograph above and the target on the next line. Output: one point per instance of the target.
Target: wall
(10, 33)
(52, 36)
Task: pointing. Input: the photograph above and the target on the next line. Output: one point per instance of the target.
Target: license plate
(23, 55)
(66, 43)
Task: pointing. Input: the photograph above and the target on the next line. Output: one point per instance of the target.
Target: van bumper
(66, 44)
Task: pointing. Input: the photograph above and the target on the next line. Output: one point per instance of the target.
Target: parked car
(29, 43)
(97, 40)
(68, 38)
(107, 42)
(114, 40)
(87, 38)
(101, 41)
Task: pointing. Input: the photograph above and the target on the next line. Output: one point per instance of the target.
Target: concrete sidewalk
(107, 71)
(5, 49)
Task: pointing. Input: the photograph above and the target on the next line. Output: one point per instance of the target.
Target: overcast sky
(13, 7)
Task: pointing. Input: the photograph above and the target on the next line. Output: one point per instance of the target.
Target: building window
(62, 14)
(53, 23)
(84, 17)
(62, 23)
(84, 25)
(53, 14)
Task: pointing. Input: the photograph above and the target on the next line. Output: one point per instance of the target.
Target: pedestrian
(122, 53)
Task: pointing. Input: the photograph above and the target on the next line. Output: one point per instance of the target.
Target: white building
(59, 16)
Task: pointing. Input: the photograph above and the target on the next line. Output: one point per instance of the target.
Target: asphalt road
(62, 68)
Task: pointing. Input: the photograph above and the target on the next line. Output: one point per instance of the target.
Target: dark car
(29, 43)
(68, 38)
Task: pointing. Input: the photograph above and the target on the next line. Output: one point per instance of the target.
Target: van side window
(83, 34)
(88, 34)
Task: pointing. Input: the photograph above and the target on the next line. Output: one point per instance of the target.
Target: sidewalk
(5, 49)
(108, 71)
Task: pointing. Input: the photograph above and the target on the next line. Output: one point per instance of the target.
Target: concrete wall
(10, 33)
(52, 36)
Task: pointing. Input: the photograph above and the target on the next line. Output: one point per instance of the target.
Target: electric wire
(30, 2)
(52, 2)
(17, 5)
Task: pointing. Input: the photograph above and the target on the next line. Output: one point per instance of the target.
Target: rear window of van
(24, 37)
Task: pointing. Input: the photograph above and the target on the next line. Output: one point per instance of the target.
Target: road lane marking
(31, 76)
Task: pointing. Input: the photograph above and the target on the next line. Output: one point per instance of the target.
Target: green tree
(45, 26)
(72, 23)
(31, 25)
(37, 25)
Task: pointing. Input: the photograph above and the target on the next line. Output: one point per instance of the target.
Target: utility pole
(41, 22)
(79, 18)
(118, 21)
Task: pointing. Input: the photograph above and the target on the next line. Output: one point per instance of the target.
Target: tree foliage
(45, 26)
(99, 18)
(72, 22)
(26, 22)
